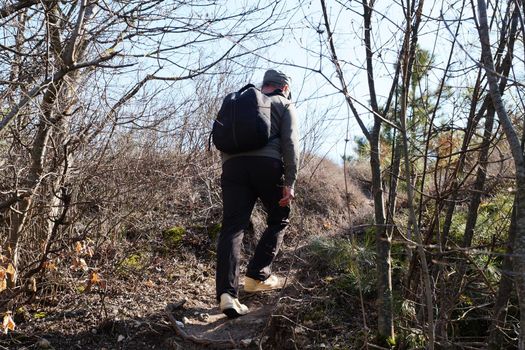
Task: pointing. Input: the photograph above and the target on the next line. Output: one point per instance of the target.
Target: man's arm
(288, 195)
(290, 152)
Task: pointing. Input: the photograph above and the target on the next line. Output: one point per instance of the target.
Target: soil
(170, 304)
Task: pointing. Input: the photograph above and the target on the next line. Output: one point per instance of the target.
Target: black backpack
(244, 121)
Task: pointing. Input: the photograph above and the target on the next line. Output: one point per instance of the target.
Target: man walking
(256, 174)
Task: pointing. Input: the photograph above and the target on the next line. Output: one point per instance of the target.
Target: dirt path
(131, 313)
(211, 328)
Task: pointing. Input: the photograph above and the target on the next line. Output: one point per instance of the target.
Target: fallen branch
(214, 344)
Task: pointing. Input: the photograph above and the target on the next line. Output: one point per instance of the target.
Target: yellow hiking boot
(252, 285)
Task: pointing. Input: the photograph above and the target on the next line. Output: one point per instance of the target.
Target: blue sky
(298, 46)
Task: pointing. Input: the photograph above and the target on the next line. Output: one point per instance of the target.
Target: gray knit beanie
(276, 77)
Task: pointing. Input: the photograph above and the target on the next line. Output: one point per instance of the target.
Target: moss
(39, 315)
(213, 231)
(173, 236)
(133, 262)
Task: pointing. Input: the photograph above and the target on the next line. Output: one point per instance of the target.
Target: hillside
(113, 292)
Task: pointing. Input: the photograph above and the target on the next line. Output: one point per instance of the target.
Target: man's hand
(288, 195)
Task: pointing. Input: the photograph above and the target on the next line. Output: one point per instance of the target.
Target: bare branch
(10, 9)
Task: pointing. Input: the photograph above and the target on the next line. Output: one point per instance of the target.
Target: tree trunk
(519, 163)
(34, 178)
(495, 339)
(385, 322)
(385, 319)
(395, 169)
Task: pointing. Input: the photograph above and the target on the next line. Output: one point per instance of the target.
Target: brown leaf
(87, 289)
(94, 277)
(78, 247)
(79, 263)
(150, 284)
(11, 272)
(95, 280)
(50, 265)
(8, 324)
(327, 225)
(75, 264)
(102, 284)
(3, 279)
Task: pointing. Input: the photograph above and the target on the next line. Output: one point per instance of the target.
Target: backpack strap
(276, 92)
(273, 93)
(246, 87)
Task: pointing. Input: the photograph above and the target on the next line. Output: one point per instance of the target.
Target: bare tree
(77, 74)
(519, 163)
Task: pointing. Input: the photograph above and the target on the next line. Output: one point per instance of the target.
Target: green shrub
(493, 219)
(347, 263)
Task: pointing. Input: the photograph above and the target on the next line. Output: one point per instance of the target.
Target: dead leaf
(8, 324)
(11, 272)
(75, 264)
(32, 285)
(102, 284)
(79, 263)
(150, 284)
(94, 277)
(78, 247)
(90, 252)
(95, 280)
(83, 264)
(3, 279)
(50, 265)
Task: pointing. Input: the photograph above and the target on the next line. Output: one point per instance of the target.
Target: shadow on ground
(184, 328)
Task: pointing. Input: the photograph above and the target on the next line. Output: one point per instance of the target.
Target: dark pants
(243, 180)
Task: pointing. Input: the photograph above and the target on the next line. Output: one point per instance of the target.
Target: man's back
(285, 147)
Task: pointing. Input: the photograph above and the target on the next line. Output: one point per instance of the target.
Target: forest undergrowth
(153, 244)
(143, 238)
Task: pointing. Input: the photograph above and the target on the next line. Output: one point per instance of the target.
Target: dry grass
(124, 202)
(325, 201)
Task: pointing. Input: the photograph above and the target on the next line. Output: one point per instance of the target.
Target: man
(246, 177)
